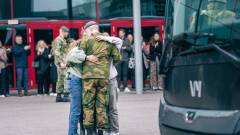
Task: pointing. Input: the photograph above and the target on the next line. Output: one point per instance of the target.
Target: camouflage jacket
(60, 50)
(103, 50)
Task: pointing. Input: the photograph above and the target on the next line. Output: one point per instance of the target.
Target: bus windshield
(219, 17)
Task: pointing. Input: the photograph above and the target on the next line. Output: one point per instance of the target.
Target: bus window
(147, 32)
(43, 34)
(123, 8)
(84, 9)
(6, 36)
(41, 9)
(5, 10)
(105, 27)
(74, 33)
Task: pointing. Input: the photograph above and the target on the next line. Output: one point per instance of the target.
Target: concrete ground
(42, 116)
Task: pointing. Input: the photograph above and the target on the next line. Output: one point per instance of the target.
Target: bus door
(7, 37)
(47, 32)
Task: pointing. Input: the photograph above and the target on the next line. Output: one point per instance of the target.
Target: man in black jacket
(20, 53)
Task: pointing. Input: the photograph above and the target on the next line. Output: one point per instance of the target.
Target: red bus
(41, 19)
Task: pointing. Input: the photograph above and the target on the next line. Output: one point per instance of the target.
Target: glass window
(218, 17)
(105, 27)
(84, 9)
(50, 9)
(151, 8)
(74, 33)
(5, 9)
(124, 8)
(6, 35)
(43, 34)
(114, 8)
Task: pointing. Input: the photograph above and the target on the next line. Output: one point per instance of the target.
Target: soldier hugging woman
(89, 65)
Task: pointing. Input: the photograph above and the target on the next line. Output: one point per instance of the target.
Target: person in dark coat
(4, 76)
(155, 54)
(53, 72)
(122, 66)
(43, 69)
(20, 53)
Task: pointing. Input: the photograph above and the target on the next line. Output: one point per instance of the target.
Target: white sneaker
(114, 133)
(118, 90)
(160, 88)
(2, 96)
(127, 90)
(53, 94)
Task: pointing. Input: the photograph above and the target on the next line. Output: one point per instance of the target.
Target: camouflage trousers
(61, 81)
(95, 103)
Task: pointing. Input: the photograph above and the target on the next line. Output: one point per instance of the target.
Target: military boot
(100, 132)
(90, 131)
(59, 98)
(82, 129)
(66, 97)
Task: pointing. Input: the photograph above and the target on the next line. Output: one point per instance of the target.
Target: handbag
(35, 64)
(131, 63)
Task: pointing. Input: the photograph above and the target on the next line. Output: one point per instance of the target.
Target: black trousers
(54, 85)
(43, 82)
(122, 69)
(4, 81)
(133, 76)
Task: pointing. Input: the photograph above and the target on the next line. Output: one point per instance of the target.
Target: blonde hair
(40, 42)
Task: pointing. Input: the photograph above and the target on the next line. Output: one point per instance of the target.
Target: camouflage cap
(223, 1)
(88, 24)
(64, 29)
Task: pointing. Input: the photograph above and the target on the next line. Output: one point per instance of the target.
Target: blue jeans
(74, 85)
(22, 79)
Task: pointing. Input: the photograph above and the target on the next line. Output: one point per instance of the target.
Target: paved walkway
(42, 116)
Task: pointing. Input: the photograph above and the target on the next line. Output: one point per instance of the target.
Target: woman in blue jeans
(75, 58)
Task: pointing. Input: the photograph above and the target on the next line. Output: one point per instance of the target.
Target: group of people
(20, 52)
(87, 72)
(127, 64)
(48, 71)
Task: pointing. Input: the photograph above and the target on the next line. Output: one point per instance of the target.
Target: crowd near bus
(88, 73)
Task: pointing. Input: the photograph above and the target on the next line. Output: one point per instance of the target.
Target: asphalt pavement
(36, 115)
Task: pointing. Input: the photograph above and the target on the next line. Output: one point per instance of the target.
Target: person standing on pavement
(113, 87)
(95, 80)
(4, 84)
(155, 54)
(75, 58)
(122, 67)
(20, 53)
(53, 72)
(131, 64)
(145, 53)
(60, 51)
(43, 70)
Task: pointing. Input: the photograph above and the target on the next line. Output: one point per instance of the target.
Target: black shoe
(90, 131)
(59, 98)
(100, 132)
(20, 94)
(26, 94)
(82, 132)
(66, 97)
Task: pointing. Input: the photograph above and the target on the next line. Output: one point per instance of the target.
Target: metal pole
(138, 46)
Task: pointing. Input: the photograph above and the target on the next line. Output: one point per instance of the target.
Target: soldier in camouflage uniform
(60, 52)
(215, 12)
(96, 78)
